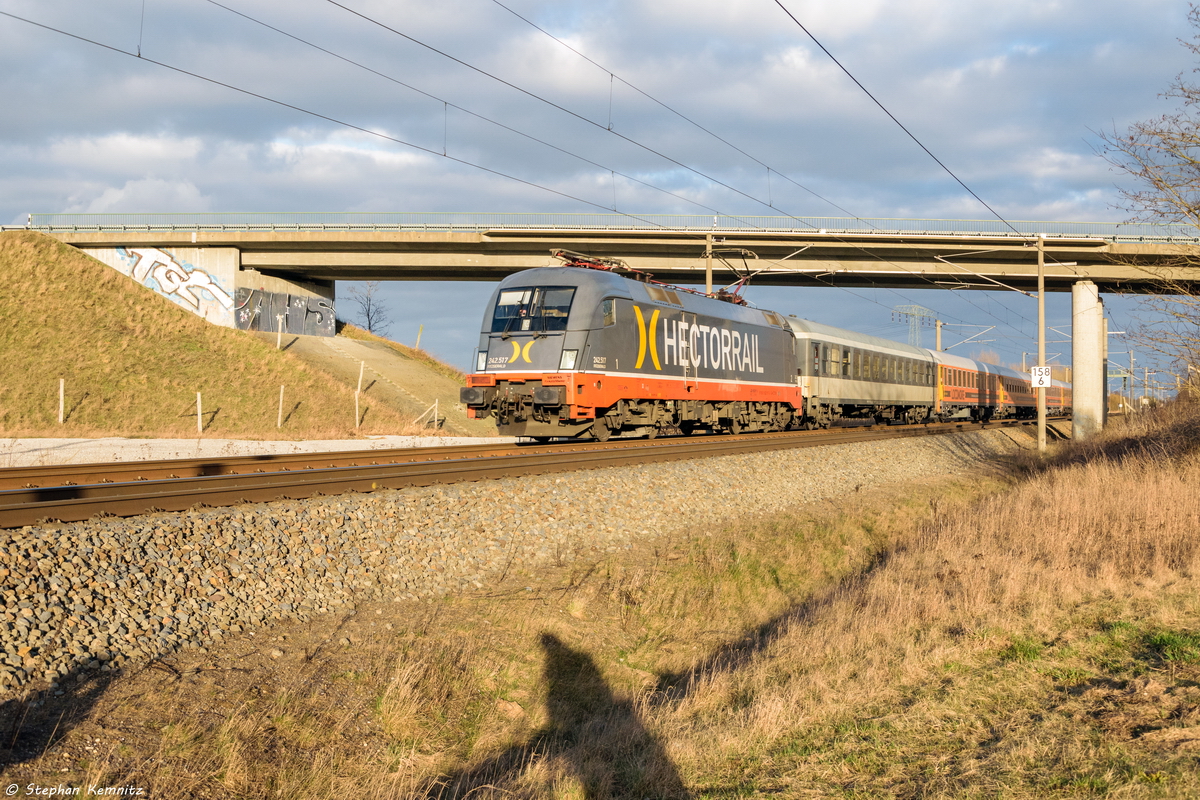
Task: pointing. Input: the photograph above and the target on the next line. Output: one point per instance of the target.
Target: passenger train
(585, 351)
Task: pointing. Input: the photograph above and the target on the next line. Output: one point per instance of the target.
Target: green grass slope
(133, 361)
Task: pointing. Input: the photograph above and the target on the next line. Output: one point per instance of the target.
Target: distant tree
(1162, 155)
(987, 356)
(371, 312)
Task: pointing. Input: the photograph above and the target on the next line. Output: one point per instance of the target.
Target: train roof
(821, 330)
(595, 284)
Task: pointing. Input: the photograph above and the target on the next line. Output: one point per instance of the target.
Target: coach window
(816, 364)
(846, 362)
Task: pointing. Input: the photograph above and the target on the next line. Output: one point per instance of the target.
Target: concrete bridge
(809, 251)
(257, 271)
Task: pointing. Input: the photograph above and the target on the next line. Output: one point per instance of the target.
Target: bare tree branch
(1162, 156)
(373, 315)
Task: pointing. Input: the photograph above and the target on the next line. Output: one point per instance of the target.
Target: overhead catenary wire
(421, 148)
(333, 120)
(770, 202)
(893, 118)
(630, 140)
(318, 115)
(446, 104)
(614, 77)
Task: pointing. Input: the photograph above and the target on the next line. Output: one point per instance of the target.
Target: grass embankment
(1021, 636)
(133, 361)
(421, 356)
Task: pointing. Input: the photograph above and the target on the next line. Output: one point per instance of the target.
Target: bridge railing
(461, 221)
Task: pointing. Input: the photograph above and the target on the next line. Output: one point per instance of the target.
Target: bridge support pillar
(1087, 359)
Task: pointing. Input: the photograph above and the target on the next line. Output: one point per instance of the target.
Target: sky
(1009, 94)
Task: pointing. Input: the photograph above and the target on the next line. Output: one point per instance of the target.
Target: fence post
(61, 398)
(279, 419)
(199, 416)
(279, 335)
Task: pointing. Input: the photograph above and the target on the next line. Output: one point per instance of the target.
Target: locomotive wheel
(653, 432)
(687, 428)
(600, 430)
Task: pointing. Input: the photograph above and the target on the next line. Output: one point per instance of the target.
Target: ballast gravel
(107, 593)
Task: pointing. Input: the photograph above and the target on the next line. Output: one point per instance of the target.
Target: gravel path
(40, 452)
(109, 592)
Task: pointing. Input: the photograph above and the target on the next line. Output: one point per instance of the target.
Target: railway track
(67, 493)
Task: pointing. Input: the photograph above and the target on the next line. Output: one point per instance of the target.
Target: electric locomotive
(569, 351)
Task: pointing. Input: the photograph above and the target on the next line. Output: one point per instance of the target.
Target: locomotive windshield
(541, 308)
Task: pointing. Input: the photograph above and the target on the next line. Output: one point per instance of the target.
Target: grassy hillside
(351, 331)
(133, 361)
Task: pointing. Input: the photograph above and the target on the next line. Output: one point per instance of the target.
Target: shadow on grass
(592, 735)
(205, 423)
(67, 416)
(295, 408)
(739, 653)
(33, 724)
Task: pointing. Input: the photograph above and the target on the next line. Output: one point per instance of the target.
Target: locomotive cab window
(541, 308)
(608, 307)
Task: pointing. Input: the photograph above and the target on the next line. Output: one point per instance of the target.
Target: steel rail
(121, 471)
(74, 501)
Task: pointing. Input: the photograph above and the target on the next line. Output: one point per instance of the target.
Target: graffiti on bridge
(192, 288)
(259, 310)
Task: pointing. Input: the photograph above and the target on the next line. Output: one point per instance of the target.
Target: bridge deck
(906, 253)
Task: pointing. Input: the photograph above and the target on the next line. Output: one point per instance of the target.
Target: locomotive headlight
(481, 361)
(568, 359)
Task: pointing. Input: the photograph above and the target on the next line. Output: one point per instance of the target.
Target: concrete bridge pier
(1087, 359)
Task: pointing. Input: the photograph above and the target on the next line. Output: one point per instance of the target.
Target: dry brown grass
(352, 331)
(133, 361)
(1031, 637)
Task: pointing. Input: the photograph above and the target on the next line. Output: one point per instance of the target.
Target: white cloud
(145, 195)
(125, 152)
